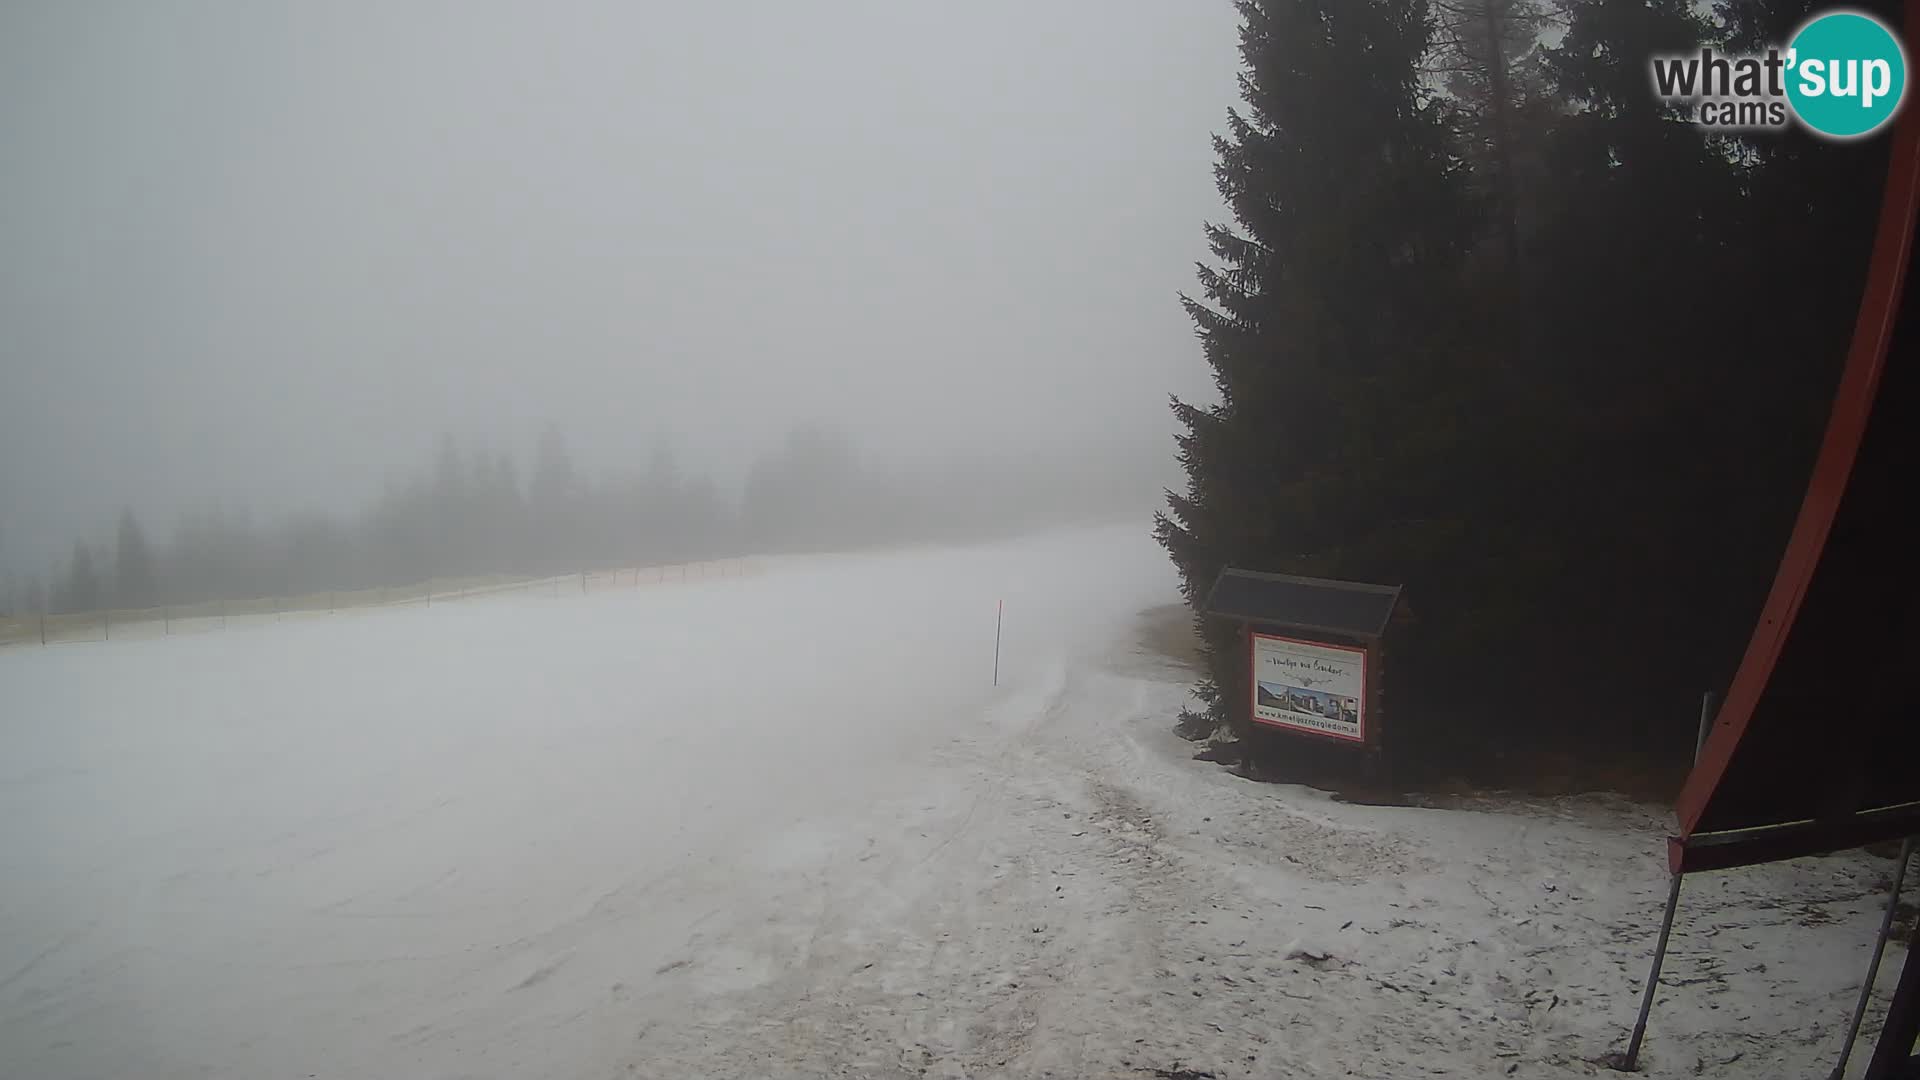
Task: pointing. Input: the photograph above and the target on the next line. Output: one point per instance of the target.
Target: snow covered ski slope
(785, 826)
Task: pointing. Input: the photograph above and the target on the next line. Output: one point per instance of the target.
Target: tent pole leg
(1630, 1061)
(1894, 1047)
(1873, 965)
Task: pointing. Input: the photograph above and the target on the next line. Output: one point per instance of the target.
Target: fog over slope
(267, 256)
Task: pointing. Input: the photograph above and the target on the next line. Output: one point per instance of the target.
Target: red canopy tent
(1816, 745)
(1812, 750)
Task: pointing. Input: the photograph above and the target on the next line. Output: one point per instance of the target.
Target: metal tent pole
(1629, 1062)
(1894, 1047)
(1873, 965)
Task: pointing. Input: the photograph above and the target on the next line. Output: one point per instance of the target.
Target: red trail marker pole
(999, 608)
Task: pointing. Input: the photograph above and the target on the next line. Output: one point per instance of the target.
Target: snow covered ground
(785, 826)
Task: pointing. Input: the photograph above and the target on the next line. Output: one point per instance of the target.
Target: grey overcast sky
(267, 252)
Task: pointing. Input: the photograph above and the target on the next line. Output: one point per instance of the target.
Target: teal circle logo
(1846, 74)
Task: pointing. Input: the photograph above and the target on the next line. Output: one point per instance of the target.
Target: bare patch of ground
(1165, 635)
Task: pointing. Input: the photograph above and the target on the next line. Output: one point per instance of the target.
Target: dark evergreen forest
(1492, 322)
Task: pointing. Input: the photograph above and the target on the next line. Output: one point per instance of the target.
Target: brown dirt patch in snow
(1551, 774)
(1166, 633)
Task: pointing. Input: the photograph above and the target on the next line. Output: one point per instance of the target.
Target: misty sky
(267, 252)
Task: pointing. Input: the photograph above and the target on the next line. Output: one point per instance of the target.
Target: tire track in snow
(943, 979)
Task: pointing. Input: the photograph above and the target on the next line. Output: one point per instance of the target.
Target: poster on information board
(1310, 686)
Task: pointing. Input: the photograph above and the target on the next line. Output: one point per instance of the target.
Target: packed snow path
(785, 826)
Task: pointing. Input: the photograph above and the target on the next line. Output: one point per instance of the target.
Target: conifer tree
(1319, 317)
(81, 591)
(134, 585)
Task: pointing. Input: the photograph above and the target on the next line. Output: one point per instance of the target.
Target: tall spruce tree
(1637, 468)
(553, 497)
(1485, 52)
(1322, 319)
(134, 585)
(81, 591)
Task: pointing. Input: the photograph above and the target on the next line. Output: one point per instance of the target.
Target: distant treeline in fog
(476, 511)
